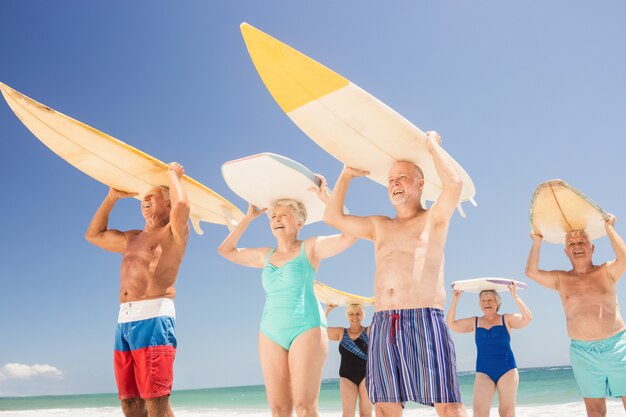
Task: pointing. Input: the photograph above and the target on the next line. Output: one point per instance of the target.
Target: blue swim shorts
(411, 358)
(600, 366)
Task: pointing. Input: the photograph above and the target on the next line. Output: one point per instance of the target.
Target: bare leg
(365, 406)
(450, 409)
(134, 407)
(507, 393)
(306, 359)
(484, 389)
(596, 407)
(159, 407)
(388, 409)
(275, 365)
(349, 392)
(624, 402)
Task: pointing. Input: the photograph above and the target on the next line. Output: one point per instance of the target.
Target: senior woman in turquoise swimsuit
(293, 343)
(495, 364)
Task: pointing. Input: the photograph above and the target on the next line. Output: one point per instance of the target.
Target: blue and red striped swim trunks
(145, 347)
(411, 357)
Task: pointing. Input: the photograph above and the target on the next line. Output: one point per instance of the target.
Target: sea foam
(575, 409)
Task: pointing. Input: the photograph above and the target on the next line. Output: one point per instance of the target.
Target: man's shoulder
(379, 217)
(594, 268)
(417, 218)
(593, 273)
(380, 220)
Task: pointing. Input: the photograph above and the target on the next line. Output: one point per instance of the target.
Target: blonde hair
(494, 294)
(296, 206)
(351, 307)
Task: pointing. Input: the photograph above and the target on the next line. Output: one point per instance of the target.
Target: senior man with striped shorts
(411, 355)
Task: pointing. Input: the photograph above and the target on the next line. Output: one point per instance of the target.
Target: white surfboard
(343, 119)
(558, 208)
(112, 162)
(482, 284)
(329, 295)
(265, 178)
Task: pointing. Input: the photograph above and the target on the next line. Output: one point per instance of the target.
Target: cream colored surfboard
(113, 162)
(482, 284)
(330, 295)
(557, 208)
(267, 177)
(344, 120)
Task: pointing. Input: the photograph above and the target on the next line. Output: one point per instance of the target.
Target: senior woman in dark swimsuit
(353, 350)
(496, 368)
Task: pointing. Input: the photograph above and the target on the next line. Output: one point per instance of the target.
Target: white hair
(495, 295)
(576, 233)
(297, 207)
(418, 170)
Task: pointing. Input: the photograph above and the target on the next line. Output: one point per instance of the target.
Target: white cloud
(21, 371)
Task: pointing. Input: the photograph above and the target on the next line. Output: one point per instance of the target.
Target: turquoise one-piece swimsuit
(291, 307)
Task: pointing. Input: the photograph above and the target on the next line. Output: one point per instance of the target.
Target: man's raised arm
(617, 266)
(357, 226)
(98, 231)
(451, 181)
(546, 278)
(179, 214)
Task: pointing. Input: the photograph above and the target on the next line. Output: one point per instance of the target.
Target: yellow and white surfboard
(347, 122)
(112, 162)
(558, 208)
(330, 295)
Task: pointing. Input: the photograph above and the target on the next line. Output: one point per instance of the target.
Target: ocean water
(542, 392)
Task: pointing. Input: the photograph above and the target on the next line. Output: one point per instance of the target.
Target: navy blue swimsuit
(353, 356)
(495, 357)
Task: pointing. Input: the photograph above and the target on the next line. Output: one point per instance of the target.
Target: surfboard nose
(292, 78)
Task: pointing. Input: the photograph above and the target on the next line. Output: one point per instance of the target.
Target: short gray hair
(495, 295)
(298, 208)
(576, 233)
(419, 171)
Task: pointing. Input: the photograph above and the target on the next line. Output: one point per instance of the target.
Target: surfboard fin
(195, 222)
(229, 219)
(460, 209)
(231, 223)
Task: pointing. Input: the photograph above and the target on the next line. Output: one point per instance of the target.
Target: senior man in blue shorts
(594, 322)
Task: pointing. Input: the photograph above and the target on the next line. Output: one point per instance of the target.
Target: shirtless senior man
(411, 355)
(594, 322)
(145, 340)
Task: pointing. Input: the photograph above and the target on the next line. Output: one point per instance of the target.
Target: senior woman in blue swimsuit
(495, 364)
(293, 343)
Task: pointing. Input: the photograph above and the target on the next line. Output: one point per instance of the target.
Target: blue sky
(521, 92)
